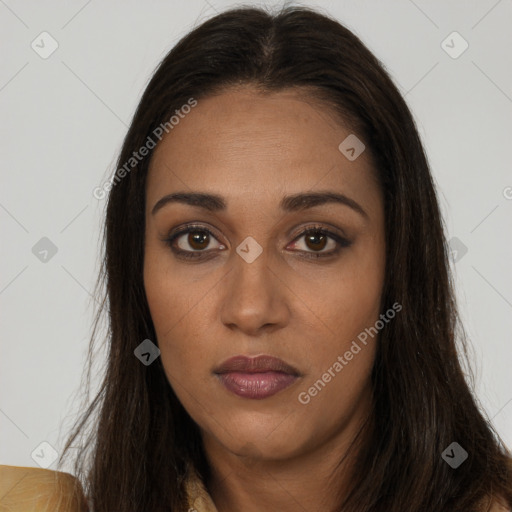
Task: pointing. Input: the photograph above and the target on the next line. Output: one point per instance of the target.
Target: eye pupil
(316, 239)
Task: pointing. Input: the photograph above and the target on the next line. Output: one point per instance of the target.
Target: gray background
(63, 119)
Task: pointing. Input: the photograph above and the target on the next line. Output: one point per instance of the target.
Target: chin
(258, 445)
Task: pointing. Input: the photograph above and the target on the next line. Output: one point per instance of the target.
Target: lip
(256, 377)
(259, 364)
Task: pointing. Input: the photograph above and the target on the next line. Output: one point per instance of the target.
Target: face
(258, 271)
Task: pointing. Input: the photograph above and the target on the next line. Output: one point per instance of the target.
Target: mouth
(256, 377)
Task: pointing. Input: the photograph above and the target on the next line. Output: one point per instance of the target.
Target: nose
(254, 298)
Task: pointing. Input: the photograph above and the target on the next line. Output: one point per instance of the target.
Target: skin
(253, 149)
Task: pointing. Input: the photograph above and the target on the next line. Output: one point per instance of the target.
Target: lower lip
(256, 385)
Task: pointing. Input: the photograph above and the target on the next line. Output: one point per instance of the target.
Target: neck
(315, 480)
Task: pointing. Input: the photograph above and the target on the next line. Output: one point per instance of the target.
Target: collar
(198, 498)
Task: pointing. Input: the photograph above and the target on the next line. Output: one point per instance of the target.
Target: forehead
(245, 144)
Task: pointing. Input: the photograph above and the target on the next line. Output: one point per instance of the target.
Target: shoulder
(25, 489)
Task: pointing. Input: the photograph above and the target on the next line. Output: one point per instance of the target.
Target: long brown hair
(137, 439)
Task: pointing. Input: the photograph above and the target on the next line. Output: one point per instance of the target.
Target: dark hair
(136, 454)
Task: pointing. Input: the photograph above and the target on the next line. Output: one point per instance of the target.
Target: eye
(317, 238)
(195, 245)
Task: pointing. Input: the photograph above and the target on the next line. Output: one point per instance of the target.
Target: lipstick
(256, 377)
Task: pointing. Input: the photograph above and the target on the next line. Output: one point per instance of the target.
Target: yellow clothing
(24, 489)
(198, 498)
(39, 490)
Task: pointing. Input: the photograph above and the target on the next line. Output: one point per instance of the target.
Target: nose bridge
(251, 273)
(253, 296)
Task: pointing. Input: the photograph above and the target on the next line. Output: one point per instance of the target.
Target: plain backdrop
(63, 119)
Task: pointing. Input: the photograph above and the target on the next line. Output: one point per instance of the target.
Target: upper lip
(257, 364)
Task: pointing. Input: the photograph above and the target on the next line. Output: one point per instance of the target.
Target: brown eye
(320, 242)
(192, 242)
(316, 241)
(198, 239)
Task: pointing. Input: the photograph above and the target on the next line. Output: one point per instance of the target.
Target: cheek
(341, 363)
(171, 298)
(345, 303)
(338, 380)
(178, 311)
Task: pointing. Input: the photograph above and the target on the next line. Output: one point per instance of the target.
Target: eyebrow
(292, 203)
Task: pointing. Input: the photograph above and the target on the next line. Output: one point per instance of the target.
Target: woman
(282, 319)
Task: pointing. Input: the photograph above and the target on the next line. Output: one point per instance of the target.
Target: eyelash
(342, 242)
